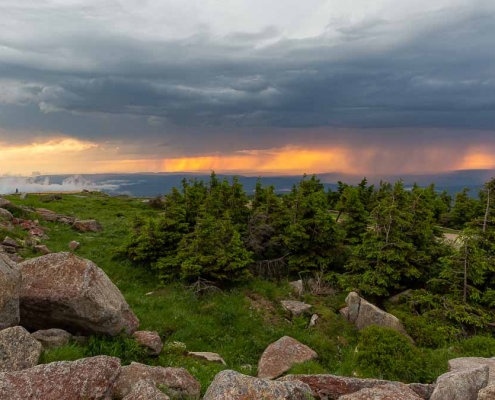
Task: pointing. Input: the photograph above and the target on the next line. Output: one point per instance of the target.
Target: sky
(246, 86)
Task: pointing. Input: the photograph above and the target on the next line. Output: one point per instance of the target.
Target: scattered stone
(344, 312)
(178, 381)
(23, 196)
(52, 338)
(487, 393)
(461, 384)
(333, 387)
(211, 357)
(74, 245)
(146, 390)
(9, 242)
(297, 287)
(15, 258)
(8, 249)
(384, 392)
(6, 215)
(18, 350)
(231, 385)
(41, 248)
(5, 203)
(150, 340)
(10, 287)
(64, 291)
(149, 293)
(363, 314)
(47, 215)
(281, 356)
(314, 319)
(296, 308)
(87, 226)
(462, 363)
(89, 378)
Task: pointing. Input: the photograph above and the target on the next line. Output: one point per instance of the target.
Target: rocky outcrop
(88, 379)
(462, 363)
(146, 390)
(207, 356)
(73, 245)
(461, 384)
(42, 249)
(383, 392)
(90, 225)
(149, 340)
(64, 291)
(6, 215)
(281, 356)
(296, 308)
(363, 314)
(487, 393)
(52, 216)
(4, 203)
(10, 287)
(52, 338)
(18, 350)
(231, 385)
(333, 387)
(178, 381)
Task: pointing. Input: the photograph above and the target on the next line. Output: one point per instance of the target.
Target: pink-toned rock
(52, 338)
(18, 350)
(15, 258)
(88, 379)
(90, 225)
(150, 340)
(47, 215)
(178, 381)
(146, 390)
(461, 384)
(231, 385)
(332, 387)
(42, 249)
(487, 393)
(74, 245)
(462, 363)
(64, 291)
(281, 356)
(383, 392)
(10, 242)
(10, 288)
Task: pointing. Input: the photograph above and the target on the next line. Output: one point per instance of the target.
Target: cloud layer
(207, 83)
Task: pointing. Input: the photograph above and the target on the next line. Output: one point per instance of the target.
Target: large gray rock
(363, 314)
(52, 338)
(146, 390)
(281, 356)
(18, 350)
(487, 393)
(383, 392)
(332, 387)
(88, 379)
(461, 384)
(178, 381)
(67, 292)
(461, 363)
(297, 287)
(10, 288)
(231, 385)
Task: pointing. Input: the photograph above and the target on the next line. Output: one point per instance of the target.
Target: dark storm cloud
(431, 71)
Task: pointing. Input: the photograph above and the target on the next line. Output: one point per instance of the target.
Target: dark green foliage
(478, 346)
(356, 218)
(123, 347)
(465, 210)
(386, 354)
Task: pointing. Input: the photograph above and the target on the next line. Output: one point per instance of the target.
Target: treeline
(379, 241)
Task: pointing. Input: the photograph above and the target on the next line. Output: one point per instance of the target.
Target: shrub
(478, 346)
(386, 354)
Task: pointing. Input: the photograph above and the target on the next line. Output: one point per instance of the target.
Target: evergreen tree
(355, 220)
(312, 236)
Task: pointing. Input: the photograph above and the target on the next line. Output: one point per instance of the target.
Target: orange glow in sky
(69, 155)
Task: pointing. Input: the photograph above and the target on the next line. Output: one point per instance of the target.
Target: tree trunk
(487, 211)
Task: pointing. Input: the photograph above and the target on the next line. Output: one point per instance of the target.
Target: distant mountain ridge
(153, 184)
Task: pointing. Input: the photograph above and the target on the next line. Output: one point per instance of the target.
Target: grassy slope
(238, 325)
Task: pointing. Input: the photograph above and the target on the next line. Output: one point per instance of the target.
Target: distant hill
(150, 185)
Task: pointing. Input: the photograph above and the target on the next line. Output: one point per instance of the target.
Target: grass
(238, 324)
